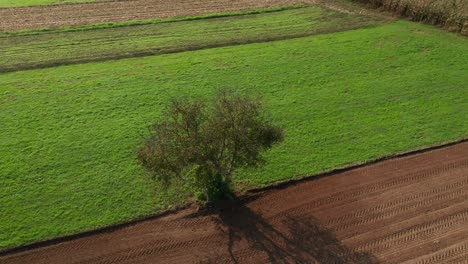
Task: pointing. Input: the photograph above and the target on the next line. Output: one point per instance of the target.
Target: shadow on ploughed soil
(282, 240)
(335, 219)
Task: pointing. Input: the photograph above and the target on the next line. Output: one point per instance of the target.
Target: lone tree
(203, 144)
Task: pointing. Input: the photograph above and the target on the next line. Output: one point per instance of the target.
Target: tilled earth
(122, 10)
(412, 209)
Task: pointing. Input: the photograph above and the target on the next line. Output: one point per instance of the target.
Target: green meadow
(69, 134)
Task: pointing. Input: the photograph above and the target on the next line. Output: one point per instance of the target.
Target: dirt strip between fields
(116, 11)
(412, 209)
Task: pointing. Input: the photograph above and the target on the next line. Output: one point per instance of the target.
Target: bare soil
(32, 17)
(406, 210)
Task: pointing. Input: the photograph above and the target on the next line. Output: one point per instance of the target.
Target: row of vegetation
(38, 49)
(452, 14)
(70, 134)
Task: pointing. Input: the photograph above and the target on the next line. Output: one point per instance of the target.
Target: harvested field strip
(10, 3)
(374, 188)
(45, 49)
(452, 14)
(392, 239)
(344, 227)
(386, 210)
(109, 25)
(390, 212)
(457, 253)
(406, 203)
(69, 133)
(253, 232)
(114, 11)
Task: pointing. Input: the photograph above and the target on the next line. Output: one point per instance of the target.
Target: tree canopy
(203, 143)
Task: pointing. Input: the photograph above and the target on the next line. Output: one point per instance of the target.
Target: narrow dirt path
(412, 209)
(122, 10)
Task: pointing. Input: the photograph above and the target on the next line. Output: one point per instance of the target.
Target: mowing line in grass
(46, 49)
(69, 134)
(107, 25)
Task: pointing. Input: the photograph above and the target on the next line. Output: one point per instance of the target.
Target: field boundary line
(159, 51)
(249, 195)
(153, 21)
(156, 52)
(357, 165)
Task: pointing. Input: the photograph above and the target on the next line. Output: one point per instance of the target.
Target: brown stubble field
(411, 209)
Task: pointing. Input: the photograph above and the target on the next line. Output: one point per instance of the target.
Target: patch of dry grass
(452, 14)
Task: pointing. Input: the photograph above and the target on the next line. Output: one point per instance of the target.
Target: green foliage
(202, 145)
(69, 134)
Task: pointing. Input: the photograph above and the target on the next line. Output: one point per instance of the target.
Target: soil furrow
(411, 209)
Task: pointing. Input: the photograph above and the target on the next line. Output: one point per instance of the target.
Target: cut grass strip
(45, 49)
(108, 25)
(69, 134)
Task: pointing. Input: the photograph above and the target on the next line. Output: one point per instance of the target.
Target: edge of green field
(68, 154)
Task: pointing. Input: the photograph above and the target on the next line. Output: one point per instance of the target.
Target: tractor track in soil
(52, 16)
(412, 209)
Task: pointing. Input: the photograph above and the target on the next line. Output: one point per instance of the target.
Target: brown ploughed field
(116, 11)
(412, 209)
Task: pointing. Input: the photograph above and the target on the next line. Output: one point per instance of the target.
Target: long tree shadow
(281, 239)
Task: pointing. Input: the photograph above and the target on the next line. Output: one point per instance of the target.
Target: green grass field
(69, 134)
(34, 49)
(14, 3)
